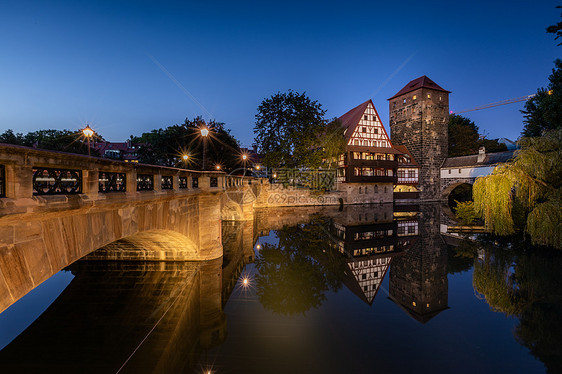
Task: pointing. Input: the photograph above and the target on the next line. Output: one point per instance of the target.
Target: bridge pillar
(210, 243)
(90, 183)
(131, 182)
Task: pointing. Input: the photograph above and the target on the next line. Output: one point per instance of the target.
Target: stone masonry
(419, 120)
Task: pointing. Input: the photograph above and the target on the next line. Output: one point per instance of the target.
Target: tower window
(415, 97)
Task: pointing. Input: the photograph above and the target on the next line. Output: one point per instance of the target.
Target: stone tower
(419, 115)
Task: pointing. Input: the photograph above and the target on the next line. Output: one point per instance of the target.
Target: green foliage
(543, 112)
(464, 139)
(288, 129)
(166, 146)
(333, 143)
(54, 140)
(529, 185)
(465, 213)
(463, 136)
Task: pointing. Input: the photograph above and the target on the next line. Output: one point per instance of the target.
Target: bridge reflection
(159, 317)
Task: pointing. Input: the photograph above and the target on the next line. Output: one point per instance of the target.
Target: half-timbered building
(371, 161)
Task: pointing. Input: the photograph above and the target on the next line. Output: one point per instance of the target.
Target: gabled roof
(403, 149)
(421, 82)
(351, 119)
(472, 160)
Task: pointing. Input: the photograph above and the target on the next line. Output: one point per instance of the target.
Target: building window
(404, 101)
(374, 118)
(365, 117)
(414, 97)
(364, 129)
(376, 131)
(429, 96)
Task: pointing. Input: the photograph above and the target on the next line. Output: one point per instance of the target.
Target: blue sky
(65, 64)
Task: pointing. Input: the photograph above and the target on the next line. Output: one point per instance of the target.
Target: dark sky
(126, 67)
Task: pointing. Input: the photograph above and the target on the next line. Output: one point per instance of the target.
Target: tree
(463, 136)
(333, 143)
(166, 146)
(55, 140)
(556, 29)
(288, 129)
(464, 139)
(295, 274)
(543, 111)
(526, 193)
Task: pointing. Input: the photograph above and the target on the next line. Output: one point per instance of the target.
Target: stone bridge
(56, 208)
(456, 171)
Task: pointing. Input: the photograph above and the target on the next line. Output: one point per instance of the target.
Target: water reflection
(286, 267)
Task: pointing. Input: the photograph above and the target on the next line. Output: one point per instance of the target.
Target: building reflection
(370, 238)
(162, 317)
(418, 279)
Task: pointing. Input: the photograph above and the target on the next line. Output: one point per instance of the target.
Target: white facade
(370, 132)
(466, 172)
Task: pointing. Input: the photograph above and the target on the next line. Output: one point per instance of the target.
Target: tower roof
(421, 82)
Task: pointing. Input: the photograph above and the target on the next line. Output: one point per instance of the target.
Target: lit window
(429, 96)
(404, 101)
(413, 303)
(415, 97)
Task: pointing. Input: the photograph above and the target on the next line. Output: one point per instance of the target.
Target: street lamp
(185, 158)
(218, 167)
(88, 133)
(204, 134)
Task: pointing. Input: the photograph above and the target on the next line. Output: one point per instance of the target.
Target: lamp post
(88, 133)
(204, 134)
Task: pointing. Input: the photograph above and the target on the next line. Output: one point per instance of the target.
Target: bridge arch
(151, 245)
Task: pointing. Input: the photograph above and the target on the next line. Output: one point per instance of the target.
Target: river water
(302, 290)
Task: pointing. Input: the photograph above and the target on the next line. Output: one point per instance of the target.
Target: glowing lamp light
(258, 167)
(274, 175)
(88, 132)
(244, 157)
(258, 247)
(218, 167)
(185, 157)
(204, 131)
(246, 282)
(550, 92)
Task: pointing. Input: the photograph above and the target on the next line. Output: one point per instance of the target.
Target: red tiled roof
(421, 82)
(351, 119)
(404, 149)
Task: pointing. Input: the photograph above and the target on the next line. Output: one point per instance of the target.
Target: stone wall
(422, 126)
(37, 245)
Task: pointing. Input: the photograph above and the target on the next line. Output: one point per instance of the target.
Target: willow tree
(525, 193)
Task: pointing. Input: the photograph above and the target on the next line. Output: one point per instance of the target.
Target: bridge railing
(29, 173)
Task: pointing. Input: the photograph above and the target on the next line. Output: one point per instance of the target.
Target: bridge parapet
(33, 179)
